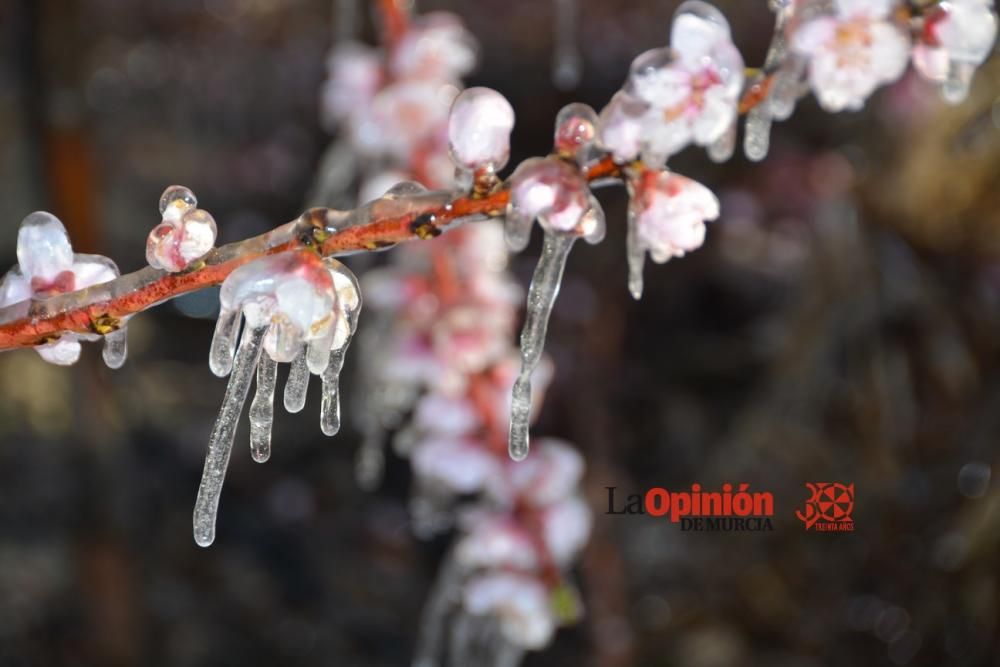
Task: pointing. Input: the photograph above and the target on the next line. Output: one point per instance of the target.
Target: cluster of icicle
(297, 308)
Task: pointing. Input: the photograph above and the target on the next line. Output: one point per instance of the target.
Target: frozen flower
(436, 46)
(479, 129)
(521, 603)
(48, 267)
(668, 214)
(301, 299)
(557, 195)
(957, 37)
(852, 52)
(576, 132)
(354, 74)
(674, 96)
(185, 235)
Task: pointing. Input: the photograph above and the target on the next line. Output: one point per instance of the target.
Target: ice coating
(262, 409)
(556, 194)
(576, 132)
(185, 235)
(957, 37)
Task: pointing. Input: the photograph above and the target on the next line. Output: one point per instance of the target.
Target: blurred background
(841, 324)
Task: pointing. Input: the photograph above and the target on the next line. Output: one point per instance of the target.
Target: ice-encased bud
(186, 233)
(576, 132)
(292, 293)
(957, 37)
(557, 195)
(479, 128)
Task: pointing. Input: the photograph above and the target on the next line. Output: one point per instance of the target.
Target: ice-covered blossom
(47, 267)
(957, 37)
(555, 193)
(677, 95)
(576, 133)
(185, 235)
(667, 215)
(479, 129)
(298, 308)
(852, 52)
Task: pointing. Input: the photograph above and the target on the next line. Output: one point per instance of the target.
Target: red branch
(102, 308)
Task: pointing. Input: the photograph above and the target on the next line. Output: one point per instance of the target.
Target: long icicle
(220, 357)
(262, 409)
(297, 384)
(329, 417)
(541, 296)
(220, 443)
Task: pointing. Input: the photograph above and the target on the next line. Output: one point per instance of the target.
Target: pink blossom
(668, 214)
(186, 234)
(458, 465)
(556, 194)
(48, 267)
(852, 52)
(479, 127)
(435, 47)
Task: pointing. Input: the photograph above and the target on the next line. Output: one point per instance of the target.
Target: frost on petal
(460, 466)
(479, 128)
(521, 604)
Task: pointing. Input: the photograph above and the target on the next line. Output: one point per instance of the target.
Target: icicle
(636, 256)
(220, 359)
(220, 443)
(955, 88)
(297, 384)
(116, 347)
(330, 409)
(262, 409)
(541, 296)
(757, 139)
(566, 61)
(723, 148)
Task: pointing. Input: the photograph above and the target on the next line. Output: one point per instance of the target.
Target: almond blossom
(47, 267)
(957, 37)
(852, 52)
(667, 215)
(677, 95)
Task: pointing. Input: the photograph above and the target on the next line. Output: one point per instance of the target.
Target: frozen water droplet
(262, 409)
(541, 297)
(405, 189)
(330, 408)
(757, 138)
(220, 358)
(116, 347)
(297, 384)
(220, 443)
(974, 479)
(566, 62)
(177, 193)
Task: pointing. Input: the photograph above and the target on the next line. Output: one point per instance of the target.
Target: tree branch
(102, 308)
